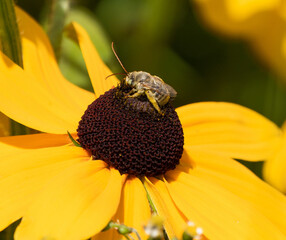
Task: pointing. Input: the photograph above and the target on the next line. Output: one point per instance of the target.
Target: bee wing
(153, 89)
(172, 91)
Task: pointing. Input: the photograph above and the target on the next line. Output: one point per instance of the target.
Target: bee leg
(137, 94)
(132, 91)
(152, 99)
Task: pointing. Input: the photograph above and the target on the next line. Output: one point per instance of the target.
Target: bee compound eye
(130, 79)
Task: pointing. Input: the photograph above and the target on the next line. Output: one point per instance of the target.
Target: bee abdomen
(162, 98)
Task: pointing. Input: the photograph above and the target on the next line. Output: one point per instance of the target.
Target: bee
(154, 88)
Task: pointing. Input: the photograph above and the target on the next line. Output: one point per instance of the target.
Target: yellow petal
(110, 234)
(20, 160)
(229, 129)
(215, 16)
(274, 169)
(239, 10)
(236, 17)
(24, 173)
(97, 70)
(271, 48)
(4, 125)
(12, 145)
(133, 210)
(220, 213)
(174, 220)
(39, 61)
(76, 204)
(236, 178)
(33, 141)
(23, 99)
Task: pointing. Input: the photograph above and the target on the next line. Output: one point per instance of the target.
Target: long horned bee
(154, 88)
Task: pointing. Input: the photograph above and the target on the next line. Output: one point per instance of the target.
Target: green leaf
(10, 41)
(10, 44)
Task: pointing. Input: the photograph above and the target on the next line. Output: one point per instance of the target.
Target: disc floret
(130, 136)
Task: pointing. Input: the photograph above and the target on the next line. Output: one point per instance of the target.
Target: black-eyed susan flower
(62, 191)
(274, 170)
(262, 23)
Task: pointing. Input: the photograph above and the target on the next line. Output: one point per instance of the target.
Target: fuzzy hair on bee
(153, 87)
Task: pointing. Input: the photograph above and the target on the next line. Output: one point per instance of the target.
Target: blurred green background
(167, 39)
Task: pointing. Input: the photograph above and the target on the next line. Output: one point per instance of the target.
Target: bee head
(130, 79)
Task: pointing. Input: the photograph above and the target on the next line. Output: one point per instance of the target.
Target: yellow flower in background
(275, 169)
(61, 192)
(237, 17)
(262, 23)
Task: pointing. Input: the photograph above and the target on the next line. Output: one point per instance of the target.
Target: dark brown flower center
(130, 135)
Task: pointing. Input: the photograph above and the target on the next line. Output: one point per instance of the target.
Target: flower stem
(126, 236)
(136, 233)
(54, 22)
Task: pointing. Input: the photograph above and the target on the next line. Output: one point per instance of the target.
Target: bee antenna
(115, 74)
(118, 58)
